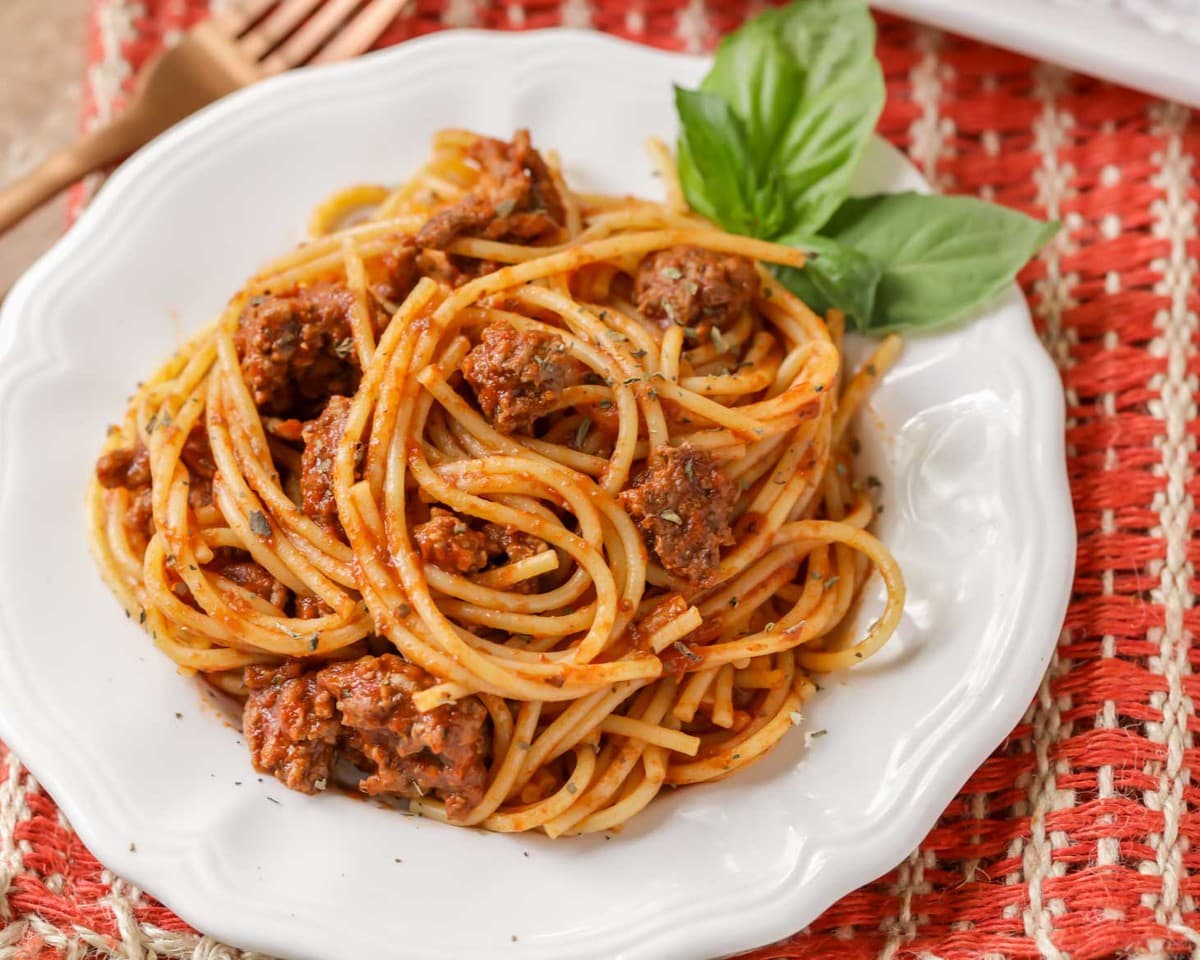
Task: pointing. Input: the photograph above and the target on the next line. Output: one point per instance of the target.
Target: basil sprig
(769, 144)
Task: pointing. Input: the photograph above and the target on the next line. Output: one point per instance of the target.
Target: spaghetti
(517, 502)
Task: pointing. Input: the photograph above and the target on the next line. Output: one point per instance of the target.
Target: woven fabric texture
(1074, 841)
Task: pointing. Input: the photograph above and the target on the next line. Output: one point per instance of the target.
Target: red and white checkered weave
(1075, 839)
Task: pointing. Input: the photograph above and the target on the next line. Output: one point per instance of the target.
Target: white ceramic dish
(1151, 45)
(965, 434)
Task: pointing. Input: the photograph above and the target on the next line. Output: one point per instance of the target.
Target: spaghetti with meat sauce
(519, 502)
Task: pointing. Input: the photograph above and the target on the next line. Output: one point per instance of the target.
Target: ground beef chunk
(682, 504)
(400, 273)
(506, 544)
(517, 170)
(451, 269)
(516, 199)
(197, 453)
(238, 566)
(140, 514)
(694, 287)
(443, 751)
(202, 467)
(451, 542)
(296, 720)
(470, 215)
(129, 467)
(321, 438)
(512, 544)
(309, 607)
(291, 725)
(517, 376)
(296, 349)
(448, 540)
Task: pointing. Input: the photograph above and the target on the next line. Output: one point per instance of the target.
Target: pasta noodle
(501, 529)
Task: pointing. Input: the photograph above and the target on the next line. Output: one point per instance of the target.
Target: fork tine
(282, 21)
(307, 40)
(235, 17)
(358, 35)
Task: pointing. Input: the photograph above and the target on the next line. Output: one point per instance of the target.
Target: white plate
(966, 434)
(1152, 45)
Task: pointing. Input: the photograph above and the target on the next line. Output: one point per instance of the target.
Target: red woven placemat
(1074, 840)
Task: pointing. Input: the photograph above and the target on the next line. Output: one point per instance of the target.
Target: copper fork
(239, 45)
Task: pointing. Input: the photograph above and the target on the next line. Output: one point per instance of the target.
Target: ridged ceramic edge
(188, 880)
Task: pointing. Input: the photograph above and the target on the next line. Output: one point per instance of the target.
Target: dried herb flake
(259, 523)
(581, 432)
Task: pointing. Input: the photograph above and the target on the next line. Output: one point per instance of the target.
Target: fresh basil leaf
(835, 277)
(756, 74)
(831, 39)
(805, 83)
(819, 155)
(801, 284)
(716, 168)
(770, 215)
(941, 256)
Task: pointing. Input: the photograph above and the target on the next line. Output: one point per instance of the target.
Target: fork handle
(58, 171)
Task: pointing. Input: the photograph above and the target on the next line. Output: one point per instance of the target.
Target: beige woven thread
(928, 131)
(461, 13)
(901, 927)
(577, 14)
(635, 20)
(107, 76)
(1108, 848)
(1043, 797)
(122, 900)
(693, 26)
(153, 943)
(1175, 222)
(1052, 178)
(13, 810)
